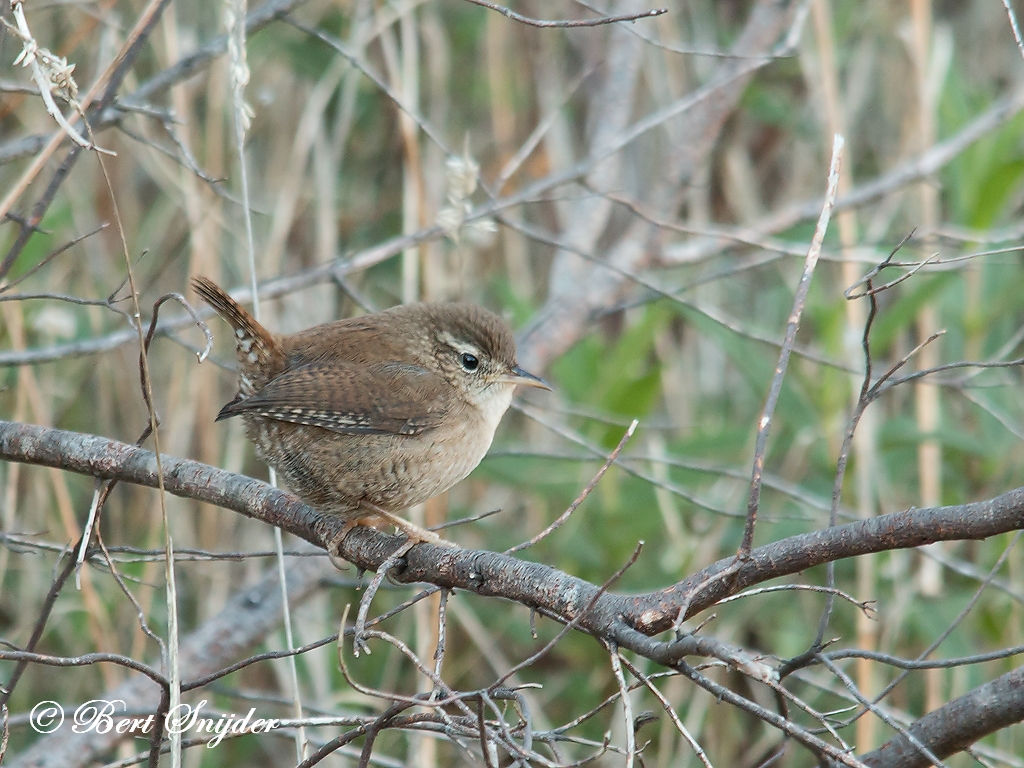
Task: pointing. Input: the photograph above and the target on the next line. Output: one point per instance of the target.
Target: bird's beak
(519, 376)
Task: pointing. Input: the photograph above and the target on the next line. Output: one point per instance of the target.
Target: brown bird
(366, 417)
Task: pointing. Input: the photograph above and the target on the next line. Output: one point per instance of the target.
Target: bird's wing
(351, 399)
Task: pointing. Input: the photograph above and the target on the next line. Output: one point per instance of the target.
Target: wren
(368, 416)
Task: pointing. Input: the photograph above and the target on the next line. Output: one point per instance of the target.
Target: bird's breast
(339, 473)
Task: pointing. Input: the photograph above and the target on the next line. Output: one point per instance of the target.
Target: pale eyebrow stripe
(458, 344)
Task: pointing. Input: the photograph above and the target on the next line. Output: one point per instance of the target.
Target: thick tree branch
(955, 726)
(629, 621)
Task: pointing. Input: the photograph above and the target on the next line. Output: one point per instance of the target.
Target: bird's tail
(259, 352)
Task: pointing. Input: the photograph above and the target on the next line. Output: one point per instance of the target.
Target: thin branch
(915, 743)
(892, 661)
(956, 725)
(83, 661)
(358, 642)
(102, 93)
(560, 520)
(1013, 25)
(670, 711)
(809, 740)
(627, 705)
(628, 620)
(6, 286)
(764, 425)
(567, 23)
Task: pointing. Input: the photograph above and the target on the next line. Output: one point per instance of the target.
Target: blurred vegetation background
(652, 282)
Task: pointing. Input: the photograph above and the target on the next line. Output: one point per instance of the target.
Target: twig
(108, 83)
(140, 614)
(6, 286)
(582, 496)
(567, 23)
(571, 623)
(722, 576)
(866, 606)
(880, 386)
(893, 283)
(541, 418)
(359, 63)
(669, 710)
(952, 625)
(543, 126)
(892, 661)
(850, 293)
(422, 699)
(716, 316)
(492, 574)
(964, 720)
(1013, 25)
(864, 399)
(880, 714)
(465, 520)
(485, 744)
(59, 580)
(368, 729)
(785, 725)
(764, 425)
(83, 661)
(202, 354)
(627, 704)
(784, 695)
(358, 643)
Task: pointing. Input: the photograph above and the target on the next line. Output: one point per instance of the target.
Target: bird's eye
(469, 361)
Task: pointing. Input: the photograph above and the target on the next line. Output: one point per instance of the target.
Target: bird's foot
(413, 532)
(334, 547)
(414, 535)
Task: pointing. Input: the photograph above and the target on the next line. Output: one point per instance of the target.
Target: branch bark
(953, 727)
(628, 620)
